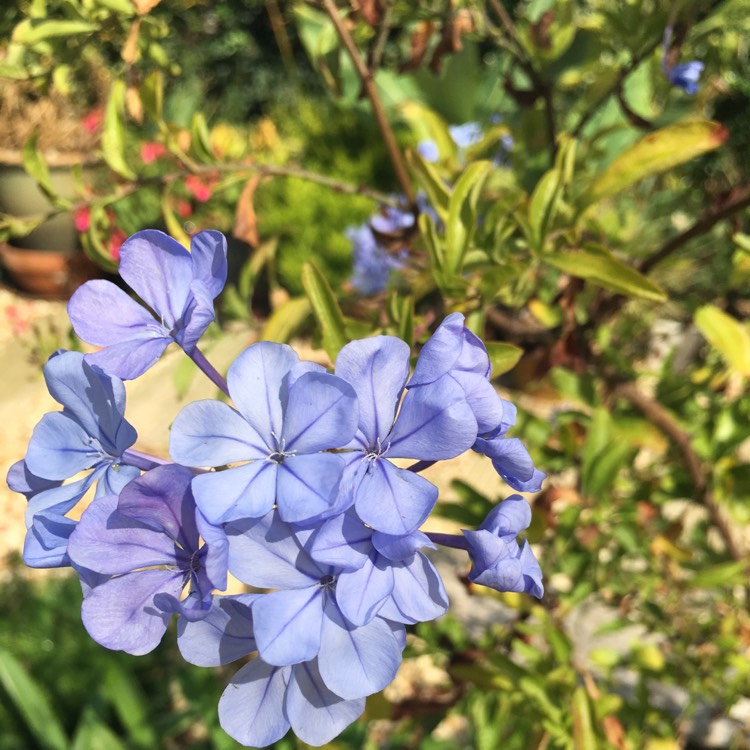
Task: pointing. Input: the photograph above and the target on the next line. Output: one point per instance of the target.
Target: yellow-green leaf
(542, 206)
(656, 152)
(583, 732)
(113, 136)
(286, 320)
(462, 214)
(28, 32)
(431, 182)
(603, 269)
(503, 357)
(326, 309)
(34, 164)
(727, 335)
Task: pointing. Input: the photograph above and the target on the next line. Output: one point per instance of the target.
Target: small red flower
(116, 238)
(82, 219)
(92, 122)
(151, 151)
(199, 189)
(184, 209)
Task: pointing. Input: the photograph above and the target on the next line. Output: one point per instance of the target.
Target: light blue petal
(103, 314)
(266, 553)
(395, 501)
(129, 359)
(58, 500)
(161, 499)
(307, 486)
(215, 563)
(120, 614)
(255, 382)
(488, 408)
(400, 548)
(115, 478)
(251, 709)
(223, 636)
(321, 413)
(46, 542)
(355, 662)
(532, 573)
(211, 433)
(440, 351)
(511, 516)
(287, 625)
(316, 714)
(159, 270)
(60, 447)
(435, 422)
(418, 592)
(197, 317)
(361, 593)
(343, 542)
(247, 491)
(106, 542)
(378, 368)
(208, 251)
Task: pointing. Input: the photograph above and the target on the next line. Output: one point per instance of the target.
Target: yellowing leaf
(656, 152)
(603, 269)
(727, 335)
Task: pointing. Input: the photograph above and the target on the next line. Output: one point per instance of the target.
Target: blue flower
(178, 286)
(466, 135)
(373, 264)
(497, 560)
(454, 353)
(683, 75)
(287, 413)
(146, 545)
(433, 423)
(428, 150)
(90, 433)
(686, 75)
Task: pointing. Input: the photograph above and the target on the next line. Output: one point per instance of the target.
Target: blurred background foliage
(591, 224)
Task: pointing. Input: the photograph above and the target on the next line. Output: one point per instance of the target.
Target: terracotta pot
(52, 274)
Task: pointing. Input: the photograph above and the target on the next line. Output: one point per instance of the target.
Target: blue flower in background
(686, 75)
(466, 135)
(683, 75)
(373, 264)
(147, 544)
(179, 287)
(497, 560)
(429, 151)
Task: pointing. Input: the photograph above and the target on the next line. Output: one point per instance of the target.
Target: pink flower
(199, 189)
(82, 219)
(116, 238)
(151, 151)
(184, 209)
(92, 122)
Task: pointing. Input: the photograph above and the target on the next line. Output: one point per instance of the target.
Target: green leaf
(542, 206)
(605, 468)
(722, 574)
(434, 247)
(601, 268)
(431, 182)
(31, 703)
(655, 153)
(200, 142)
(34, 164)
(326, 309)
(462, 214)
(29, 33)
(174, 225)
(152, 95)
(286, 320)
(113, 136)
(129, 700)
(93, 734)
(503, 357)
(727, 335)
(583, 732)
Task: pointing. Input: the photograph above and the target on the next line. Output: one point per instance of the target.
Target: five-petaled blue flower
(178, 286)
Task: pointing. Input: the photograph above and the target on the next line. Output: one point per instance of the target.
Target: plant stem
(456, 541)
(368, 83)
(208, 369)
(420, 466)
(142, 460)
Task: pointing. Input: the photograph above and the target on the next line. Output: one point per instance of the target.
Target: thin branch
(735, 200)
(376, 52)
(368, 83)
(661, 418)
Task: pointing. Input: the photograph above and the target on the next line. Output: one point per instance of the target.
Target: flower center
(279, 454)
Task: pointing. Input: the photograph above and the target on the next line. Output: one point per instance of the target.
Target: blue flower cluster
(291, 488)
(683, 76)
